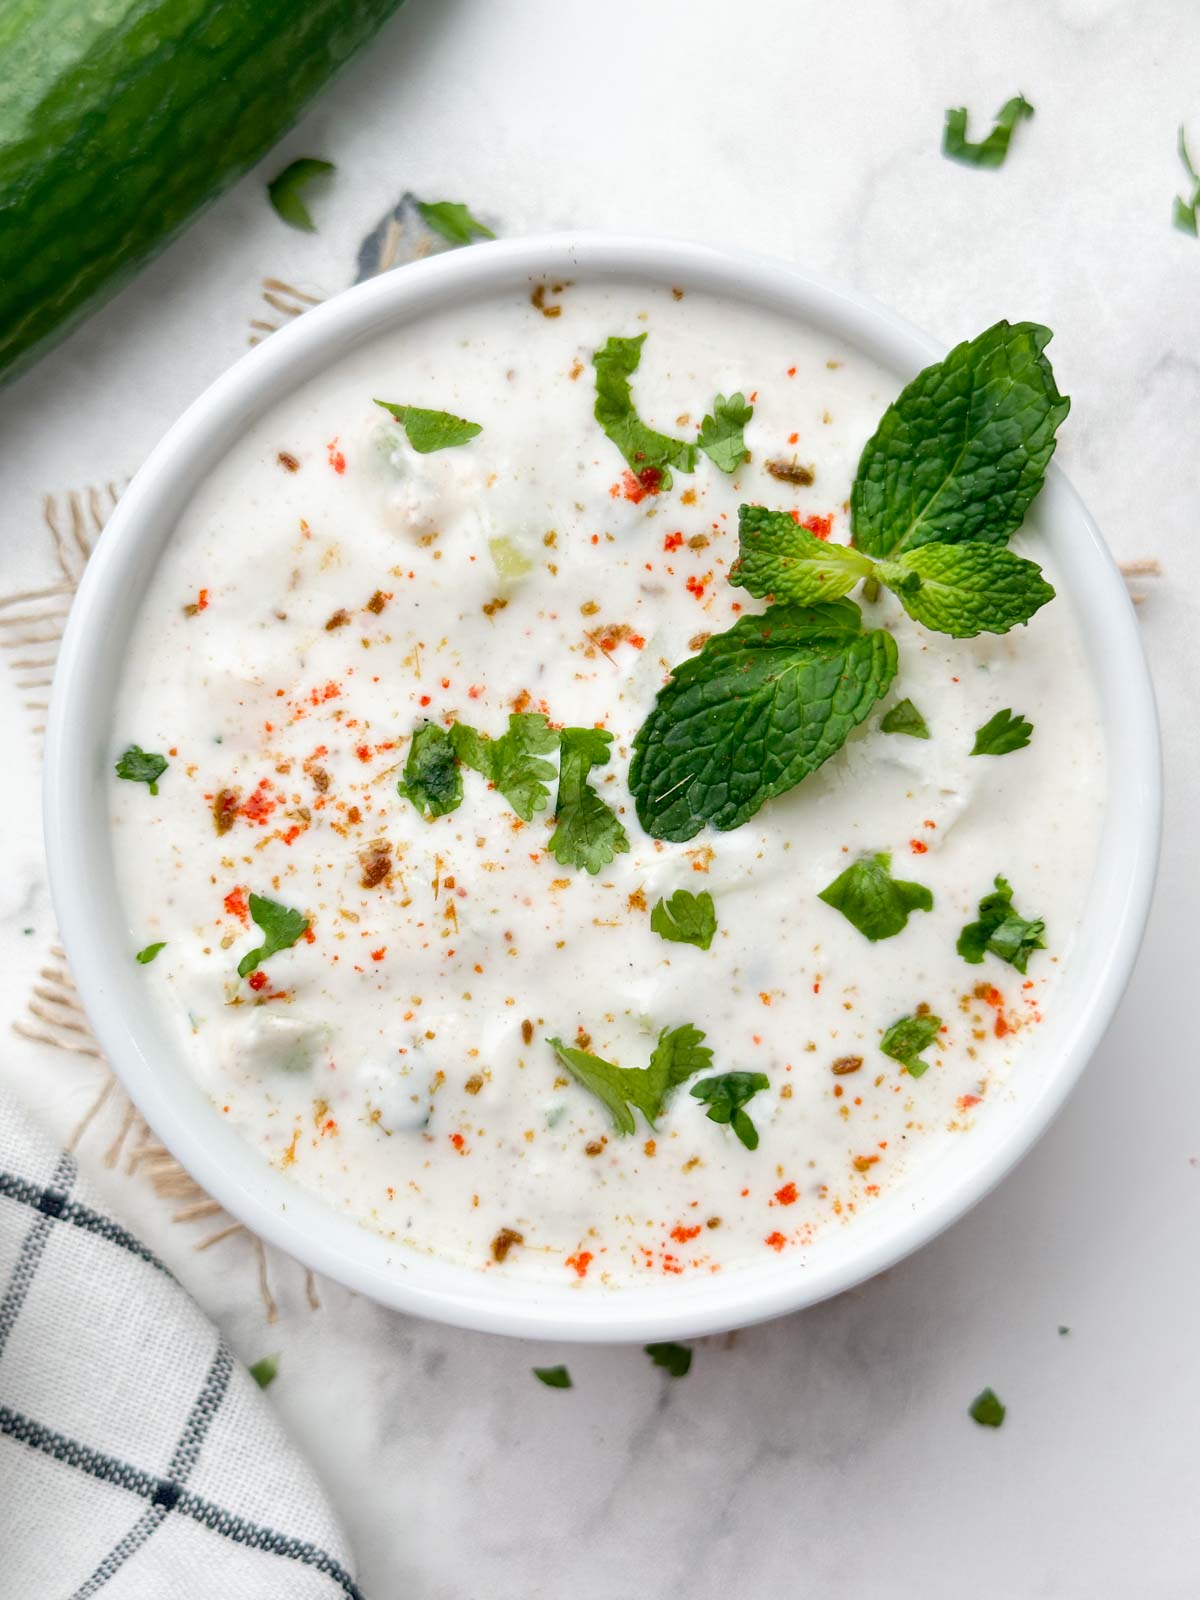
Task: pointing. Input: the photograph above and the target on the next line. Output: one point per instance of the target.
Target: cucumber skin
(167, 103)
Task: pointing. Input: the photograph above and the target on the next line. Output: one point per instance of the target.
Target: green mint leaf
(589, 833)
(1002, 734)
(431, 778)
(685, 919)
(904, 717)
(146, 956)
(876, 903)
(726, 1095)
(989, 152)
(1002, 930)
(778, 558)
(280, 926)
(552, 1377)
(453, 221)
(678, 1055)
(673, 1358)
(757, 710)
(512, 764)
(142, 766)
(721, 435)
(987, 1409)
(650, 454)
(284, 191)
(963, 450)
(966, 589)
(432, 430)
(1184, 214)
(265, 1371)
(905, 1040)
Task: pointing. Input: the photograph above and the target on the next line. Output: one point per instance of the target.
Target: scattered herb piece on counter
(649, 454)
(280, 926)
(1184, 213)
(428, 431)
(453, 221)
(759, 708)
(589, 833)
(1063, 1330)
(726, 1095)
(989, 152)
(1002, 930)
(988, 1410)
(285, 191)
(679, 1054)
(673, 1358)
(512, 764)
(966, 589)
(685, 918)
(553, 1377)
(146, 956)
(265, 1371)
(780, 559)
(142, 766)
(1002, 734)
(904, 717)
(721, 435)
(431, 778)
(905, 1040)
(876, 903)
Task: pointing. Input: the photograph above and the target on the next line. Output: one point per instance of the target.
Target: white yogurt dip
(330, 589)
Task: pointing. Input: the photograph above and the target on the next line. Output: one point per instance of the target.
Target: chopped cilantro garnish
(285, 191)
(280, 926)
(265, 1371)
(905, 1040)
(1002, 734)
(685, 918)
(1184, 214)
(142, 766)
(553, 1377)
(904, 717)
(512, 764)
(1002, 930)
(679, 1054)
(673, 1358)
(650, 454)
(431, 778)
(431, 430)
(988, 1410)
(721, 436)
(453, 221)
(726, 1095)
(989, 152)
(589, 833)
(146, 956)
(876, 903)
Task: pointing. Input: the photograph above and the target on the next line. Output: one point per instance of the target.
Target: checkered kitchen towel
(138, 1460)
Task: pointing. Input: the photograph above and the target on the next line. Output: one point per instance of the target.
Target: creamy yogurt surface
(330, 589)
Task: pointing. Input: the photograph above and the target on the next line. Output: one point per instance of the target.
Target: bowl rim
(76, 829)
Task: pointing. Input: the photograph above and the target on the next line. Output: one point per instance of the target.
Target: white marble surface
(828, 1454)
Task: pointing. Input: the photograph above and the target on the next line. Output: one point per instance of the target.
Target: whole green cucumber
(120, 119)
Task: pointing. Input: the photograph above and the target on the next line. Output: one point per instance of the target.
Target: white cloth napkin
(138, 1459)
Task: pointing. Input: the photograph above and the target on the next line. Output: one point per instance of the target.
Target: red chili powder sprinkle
(681, 1235)
(336, 459)
(258, 980)
(918, 847)
(776, 1240)
(793, 438)
(673, 541)
(378, 955)
(363, 752)
(822, 527)
(788, 1195)
(457, 1140)
(697, 586)
(424, 699)
(581, 1261)
(258, 805)
(235, 904)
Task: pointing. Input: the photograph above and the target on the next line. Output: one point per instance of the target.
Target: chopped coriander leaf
(453, 221)
(904, 717)
(685, 918)
(989, 152)
(779, 558)
(428, 431)
(966, 589)
(650, 454)
(284, 191)
(678, 1055)
(721, 436)
(589, 832)
(1002, 930)
(726, 1095)
(673, 1358)
(265, 1371)
(142, 766)
(1002, 734)
(281, 927)
(431, 778)
(876, 903)
(988, 1410)
(553, 1377)
(512, 764)
(146, 956)
(1184, 214)
(1063, 1330)
(905, 1040)
(759, 708)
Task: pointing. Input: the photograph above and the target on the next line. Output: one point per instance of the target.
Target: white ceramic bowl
(78, 776)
